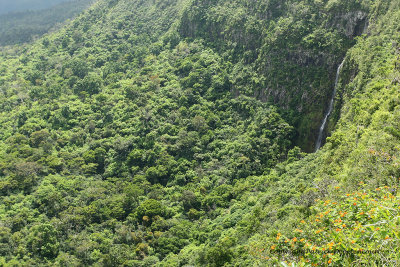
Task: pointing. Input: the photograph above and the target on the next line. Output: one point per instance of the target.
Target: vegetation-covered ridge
(22, 27)
(291, 50)
(163, 133)
(7, 6)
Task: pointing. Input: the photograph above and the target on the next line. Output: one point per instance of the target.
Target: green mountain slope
(293, 47)
(22, 27)
(24, 5)
(163, 133)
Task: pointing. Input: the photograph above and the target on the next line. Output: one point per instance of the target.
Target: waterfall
(329, 111)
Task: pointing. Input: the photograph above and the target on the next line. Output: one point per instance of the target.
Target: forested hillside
(173, 133)
(7, 6)
(23, 27)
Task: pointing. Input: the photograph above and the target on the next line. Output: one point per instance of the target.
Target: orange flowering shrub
(362, 227)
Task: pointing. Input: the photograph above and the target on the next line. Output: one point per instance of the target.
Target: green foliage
(144, 133)
(359, 227)
(149, 209)
(42, 241)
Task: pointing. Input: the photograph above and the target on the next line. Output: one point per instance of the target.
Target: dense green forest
(180, 132)
(22, 27)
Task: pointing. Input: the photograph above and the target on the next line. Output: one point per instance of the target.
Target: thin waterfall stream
(329, 111)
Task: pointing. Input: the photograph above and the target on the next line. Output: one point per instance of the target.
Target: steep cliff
(293, 47)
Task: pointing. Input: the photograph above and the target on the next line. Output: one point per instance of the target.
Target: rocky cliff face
(294, 52)
(352, 23)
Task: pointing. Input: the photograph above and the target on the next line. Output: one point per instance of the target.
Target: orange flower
(302, 240)
(278, 236)
(273, 247)
(302, 221)
(330, 261)
(355, 204)
(338, 229)
(343, 225)
(352, 241)
(387, 237)
(294, 239)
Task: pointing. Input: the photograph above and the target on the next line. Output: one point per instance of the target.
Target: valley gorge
(203, 133)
